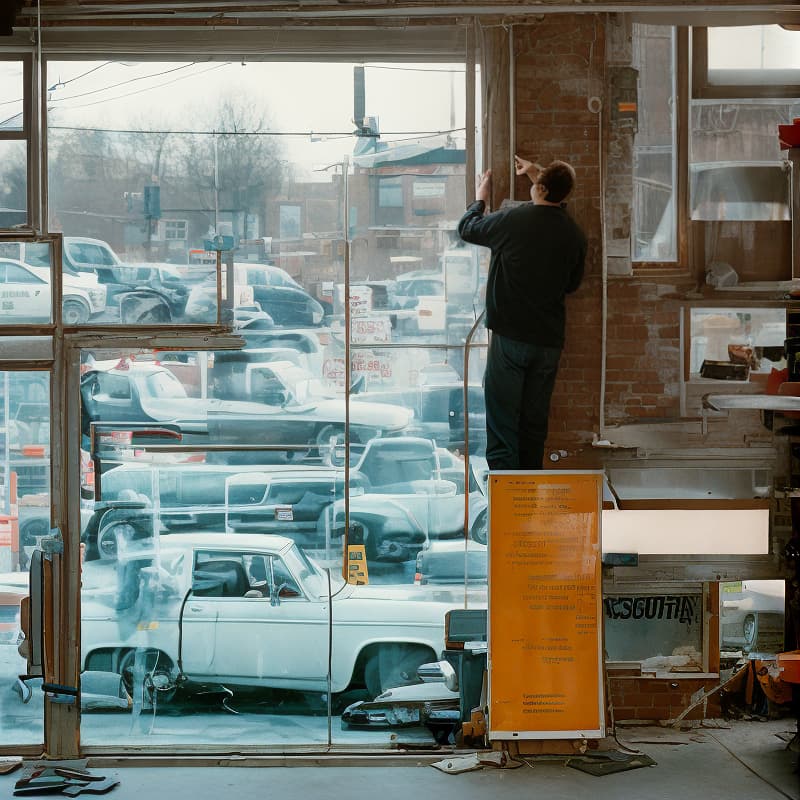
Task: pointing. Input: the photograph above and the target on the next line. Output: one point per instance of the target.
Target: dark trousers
(518, 385)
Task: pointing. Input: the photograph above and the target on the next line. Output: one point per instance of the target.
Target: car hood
(200, 409)
(373, 415)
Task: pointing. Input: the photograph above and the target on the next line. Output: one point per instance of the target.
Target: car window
(115, 386)
(284, 580)
(220, 574)
(166, 386)
(16, 274)
(92, 254)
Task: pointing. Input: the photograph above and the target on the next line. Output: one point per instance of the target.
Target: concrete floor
(735, 761)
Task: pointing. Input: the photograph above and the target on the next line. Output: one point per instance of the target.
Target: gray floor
(734, 761)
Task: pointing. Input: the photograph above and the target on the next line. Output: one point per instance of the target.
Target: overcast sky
(298, 98)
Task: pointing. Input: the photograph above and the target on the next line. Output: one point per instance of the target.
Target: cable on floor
(747, 766)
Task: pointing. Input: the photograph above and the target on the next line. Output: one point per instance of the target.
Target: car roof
(234, 469)
(225, 541)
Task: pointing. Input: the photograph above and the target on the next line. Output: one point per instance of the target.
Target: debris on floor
(609, 762)
(70, 778)
(498, 759)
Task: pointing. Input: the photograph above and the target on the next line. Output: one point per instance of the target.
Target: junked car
(752, 619)
(410, 498)
(250, 610)
(138, 499)
(289, 412)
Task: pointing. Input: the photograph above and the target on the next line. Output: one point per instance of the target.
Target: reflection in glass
(654, 222)
(755, 50)
(11, 96)
(736, 343)
(13, 183)
(216, 486)
(24, 520)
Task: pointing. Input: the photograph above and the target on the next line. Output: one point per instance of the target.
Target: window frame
(24, 135)
(681, 122)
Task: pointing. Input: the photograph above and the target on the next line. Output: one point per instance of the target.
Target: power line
(334, 134)
(147, 88)
(417, 69)
(123, 83)
(61, 83)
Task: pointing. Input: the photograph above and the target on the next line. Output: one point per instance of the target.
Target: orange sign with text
(545, 605)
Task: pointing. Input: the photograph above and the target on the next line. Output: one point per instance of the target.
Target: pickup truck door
(280, 640)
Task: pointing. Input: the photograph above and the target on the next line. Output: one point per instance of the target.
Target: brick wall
(655, 699)
(558, 66)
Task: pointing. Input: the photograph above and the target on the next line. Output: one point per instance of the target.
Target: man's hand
(484, 190)
(529, 168)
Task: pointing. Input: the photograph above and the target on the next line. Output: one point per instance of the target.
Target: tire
(30, 533)
(157, 670)
(480, 529)
(75, 312)
(750, 631)
(111, 536)
(327, 449)
(395, 665)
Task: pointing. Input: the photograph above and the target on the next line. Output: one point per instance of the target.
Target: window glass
(735, 343)
(754, 54)
(13, 183)
(24, 521)
(654, 222)
(11, 96)
(241, 455)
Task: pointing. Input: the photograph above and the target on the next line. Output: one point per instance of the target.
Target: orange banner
(545, 605)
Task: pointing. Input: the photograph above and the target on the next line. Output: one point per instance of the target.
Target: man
(538, 254)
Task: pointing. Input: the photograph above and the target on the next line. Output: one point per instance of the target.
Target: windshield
(303, 388)
(310, 574)
(166, 386)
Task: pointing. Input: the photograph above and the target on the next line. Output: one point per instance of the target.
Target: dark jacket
(538, 254)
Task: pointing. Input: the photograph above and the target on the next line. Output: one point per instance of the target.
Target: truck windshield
(165, 385)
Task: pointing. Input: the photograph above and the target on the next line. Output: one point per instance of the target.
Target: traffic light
(152, 202)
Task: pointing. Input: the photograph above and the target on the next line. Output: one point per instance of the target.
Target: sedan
(250, 610)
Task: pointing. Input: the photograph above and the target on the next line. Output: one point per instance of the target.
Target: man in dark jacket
(538, 254)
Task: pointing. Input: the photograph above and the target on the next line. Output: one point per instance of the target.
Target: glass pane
(25, 286)
(11, 96)
(736, 343)
(654, 223)
(752, 55)
(226, 472)
(752, 616)
(24, 520)
(13, 183)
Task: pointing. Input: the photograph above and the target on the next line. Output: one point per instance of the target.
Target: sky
(314, 101)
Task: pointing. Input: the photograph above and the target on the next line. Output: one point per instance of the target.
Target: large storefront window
(220, 489)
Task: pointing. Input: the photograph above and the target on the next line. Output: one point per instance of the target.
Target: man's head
(554, 183)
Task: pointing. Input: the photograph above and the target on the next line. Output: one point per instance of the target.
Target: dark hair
(558, 178)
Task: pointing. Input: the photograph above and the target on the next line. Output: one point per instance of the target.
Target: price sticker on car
(284, 513)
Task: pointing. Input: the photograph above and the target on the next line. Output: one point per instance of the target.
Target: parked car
(149, 393)
(438, 405)
(447, 562)
(410, 498)
(141, 294)
(26, 296)
(240, 375)
(276, 292)
(284, 499)
(250, 610)
(752, 619)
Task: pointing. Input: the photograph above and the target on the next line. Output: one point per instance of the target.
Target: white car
(752, 619)
(250, 610)
(25, 294)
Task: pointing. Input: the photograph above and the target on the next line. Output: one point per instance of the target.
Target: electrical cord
(747, 766)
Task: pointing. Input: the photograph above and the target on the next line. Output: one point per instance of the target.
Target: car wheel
(153, 668)
(31, 533)
(75, 312)
(480, 529)
(394, 665)
(750, 630)
(113, 538)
